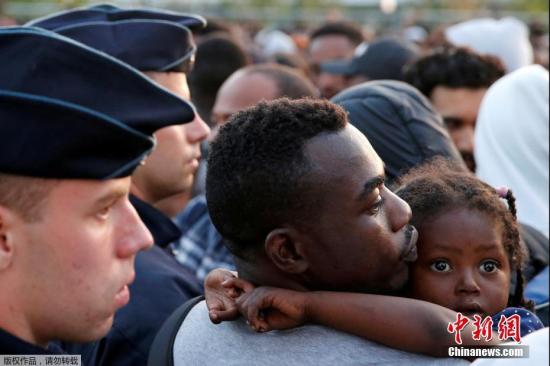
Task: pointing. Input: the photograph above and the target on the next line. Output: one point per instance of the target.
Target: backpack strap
(162, 349)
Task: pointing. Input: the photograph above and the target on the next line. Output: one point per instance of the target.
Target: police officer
(68, 233)
(160, 44)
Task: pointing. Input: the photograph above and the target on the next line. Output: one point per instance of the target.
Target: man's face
(73, 265)
(329, 48)
(362, 238)
(170, 169)
(241, 91)
(459, 108)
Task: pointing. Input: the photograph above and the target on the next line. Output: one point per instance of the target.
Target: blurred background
(376, 14)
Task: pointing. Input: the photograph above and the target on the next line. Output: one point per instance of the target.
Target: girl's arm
(398, 322)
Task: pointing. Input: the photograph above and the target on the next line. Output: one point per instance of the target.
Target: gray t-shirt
(199, 342)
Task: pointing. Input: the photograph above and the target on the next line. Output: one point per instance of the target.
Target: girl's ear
(284, 248)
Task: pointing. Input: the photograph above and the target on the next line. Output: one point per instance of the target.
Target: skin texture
(329, 48)
(462, 263)
(241, 91)
(170, 169)
(66, 274)
(359, 238)
(459, 108)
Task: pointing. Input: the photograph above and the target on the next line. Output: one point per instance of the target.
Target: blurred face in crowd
(329, 48)
(170, 169)
(459, 108)
(362, 239)
(462, 263)
(67, 270)
(241, 91)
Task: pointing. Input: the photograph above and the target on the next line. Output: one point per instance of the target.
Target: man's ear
(6, 242)
(284, 247)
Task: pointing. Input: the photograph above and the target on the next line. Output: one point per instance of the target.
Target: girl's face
(462, 263)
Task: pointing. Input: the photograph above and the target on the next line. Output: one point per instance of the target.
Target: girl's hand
(221, 288)
(268, 308)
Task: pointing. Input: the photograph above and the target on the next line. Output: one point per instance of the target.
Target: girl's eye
(440, 266)
(488, 266)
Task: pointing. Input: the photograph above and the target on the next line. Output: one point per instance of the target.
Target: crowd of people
(177, 190)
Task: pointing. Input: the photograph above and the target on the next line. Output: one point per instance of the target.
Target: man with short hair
(159, 44)
(201, 247)
(68, 233)
(455, 80)
(332, 41)
(306, 209)
(248, 85)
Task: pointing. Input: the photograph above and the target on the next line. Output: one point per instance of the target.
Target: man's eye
(488, 266)
(440, 266)
(375, 208)
(104, 213)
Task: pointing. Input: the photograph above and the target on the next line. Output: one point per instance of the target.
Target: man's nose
(464, 139)
(400, 213)
(134, 235)
(197, 130)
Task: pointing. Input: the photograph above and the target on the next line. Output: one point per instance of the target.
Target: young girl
(468, 250)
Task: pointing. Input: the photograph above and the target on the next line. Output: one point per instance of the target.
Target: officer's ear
(7, 220)
(285, 249)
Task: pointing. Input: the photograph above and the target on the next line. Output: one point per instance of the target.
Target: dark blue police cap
(147, 39)
(66, 110)
(39, 62)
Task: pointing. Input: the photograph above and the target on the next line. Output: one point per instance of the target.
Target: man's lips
(122, 297)
(410, 253)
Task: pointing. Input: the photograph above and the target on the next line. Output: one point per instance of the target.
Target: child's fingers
(238, 284)
(217, 316)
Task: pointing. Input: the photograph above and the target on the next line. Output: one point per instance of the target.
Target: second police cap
(66, 110)
(147, 39)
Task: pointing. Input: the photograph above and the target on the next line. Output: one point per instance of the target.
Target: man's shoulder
(198, 340)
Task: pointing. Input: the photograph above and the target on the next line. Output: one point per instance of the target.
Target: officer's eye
(488, 266)
(440, 266)
(104, 212)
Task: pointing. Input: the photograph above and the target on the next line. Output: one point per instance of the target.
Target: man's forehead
(331, 47)
(347, 147)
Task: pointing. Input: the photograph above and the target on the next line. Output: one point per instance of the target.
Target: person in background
(512, 141)
(330, 42)
(383, 59)
(455, 81)
(506, 38)
(211, 70)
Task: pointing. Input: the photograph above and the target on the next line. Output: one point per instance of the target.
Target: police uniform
(71, 132)
(148, 40)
